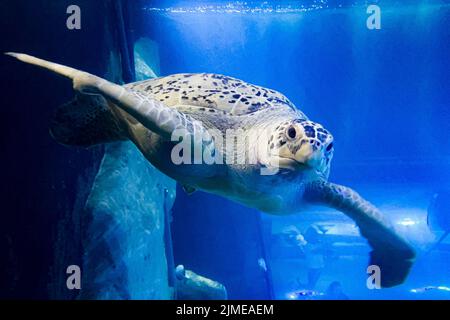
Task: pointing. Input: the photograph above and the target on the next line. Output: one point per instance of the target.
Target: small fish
(429, 288)
(304, 294)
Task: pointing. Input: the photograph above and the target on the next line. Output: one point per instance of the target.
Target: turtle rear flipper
(391, 253)
(85, 121)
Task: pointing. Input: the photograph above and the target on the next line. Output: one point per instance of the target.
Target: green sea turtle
(202, 105)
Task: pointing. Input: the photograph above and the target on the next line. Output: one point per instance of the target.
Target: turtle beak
(290, 164)
(287, 160)
(308, 155)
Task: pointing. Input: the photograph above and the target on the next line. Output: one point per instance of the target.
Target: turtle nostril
(329, 147)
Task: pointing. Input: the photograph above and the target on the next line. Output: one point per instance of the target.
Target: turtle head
(302, 145)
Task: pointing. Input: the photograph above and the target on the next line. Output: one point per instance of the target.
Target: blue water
(382, 93)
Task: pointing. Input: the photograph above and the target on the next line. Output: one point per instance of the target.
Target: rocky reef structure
(191, 286)
(124, 251)
(124, 224)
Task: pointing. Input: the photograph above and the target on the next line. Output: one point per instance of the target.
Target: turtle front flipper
(391, 253)
(151, 113)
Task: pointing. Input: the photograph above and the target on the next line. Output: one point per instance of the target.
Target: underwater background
(383, 93)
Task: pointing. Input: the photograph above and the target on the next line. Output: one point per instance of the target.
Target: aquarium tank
(93, 208)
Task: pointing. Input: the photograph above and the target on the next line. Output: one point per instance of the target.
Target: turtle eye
(291, 132)
(329, 147)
